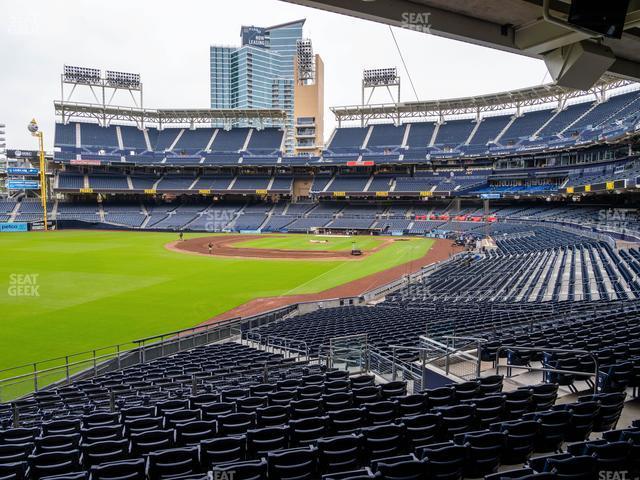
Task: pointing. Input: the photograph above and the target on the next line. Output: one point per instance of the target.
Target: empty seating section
(283, 182)
(215, 218)
(326, 209)
(65, 135)
(175, 182)
(71, 181)
(265, 141)
(95, 137)
(525, 126)
(432, 219)
(86, 212)
(129, 216)
(278, 223)
(133, 139)
(108, 182)
(165, 139)
(420, 135)
(606, 111)
(229, 140)
(386, 136)
(585, 121)
(249, 221)
(351, 223)
(320, 182)
(419, 183)
(248, 182)
(489, 129)
(454, 133)
(7, 206)
(348, 183)
(304, 225)
(348, 139)
(381, 183)
(299, 208)
(172, 221)
(232, 409)
(601, 175)
(564, 118)
(213, 182)
(460, 182)
(143, 182)
(194, 141)
(583, 272)
(393, 225)
(360, 211)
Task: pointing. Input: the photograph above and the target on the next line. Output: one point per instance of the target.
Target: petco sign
(14, 227)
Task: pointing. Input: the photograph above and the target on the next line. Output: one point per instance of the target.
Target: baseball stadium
(437, 289)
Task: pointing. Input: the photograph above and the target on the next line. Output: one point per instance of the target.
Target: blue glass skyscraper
(259, 73)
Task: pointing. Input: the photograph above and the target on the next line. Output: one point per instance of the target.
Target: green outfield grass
(102, 288)
(309, 242)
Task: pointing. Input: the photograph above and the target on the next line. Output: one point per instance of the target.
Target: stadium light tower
(380, 78)
(103, 87)
(35, 131)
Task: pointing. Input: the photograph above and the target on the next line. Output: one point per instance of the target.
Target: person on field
(181, 236)
(210, 247)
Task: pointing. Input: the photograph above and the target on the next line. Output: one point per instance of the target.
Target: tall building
(308, 93)
(260, 73)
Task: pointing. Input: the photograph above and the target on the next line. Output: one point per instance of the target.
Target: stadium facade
(261, 72)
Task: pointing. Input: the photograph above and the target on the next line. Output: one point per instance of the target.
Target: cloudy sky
(167, 42)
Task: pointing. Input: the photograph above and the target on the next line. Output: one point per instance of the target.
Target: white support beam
(514, 27)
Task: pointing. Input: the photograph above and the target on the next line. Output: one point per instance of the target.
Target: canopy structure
(105, 114)
(514, 99)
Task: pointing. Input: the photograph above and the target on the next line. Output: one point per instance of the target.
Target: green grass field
(102, 288)
(304, 242)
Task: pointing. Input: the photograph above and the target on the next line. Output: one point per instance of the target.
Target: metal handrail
(97, 360)
(287, 344)
(205, 327)
(117, 347)
(553, 370)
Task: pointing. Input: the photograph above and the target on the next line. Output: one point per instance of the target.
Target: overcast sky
(167, 42)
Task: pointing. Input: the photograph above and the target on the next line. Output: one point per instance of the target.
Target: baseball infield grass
(312, 242)
(72, 291)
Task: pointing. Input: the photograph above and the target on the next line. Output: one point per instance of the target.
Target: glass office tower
(259, 73)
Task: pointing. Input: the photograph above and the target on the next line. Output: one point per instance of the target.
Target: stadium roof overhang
(104, 115)
(514, 99)
(535, 28)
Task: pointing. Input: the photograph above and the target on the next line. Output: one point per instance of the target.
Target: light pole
(35, 131)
